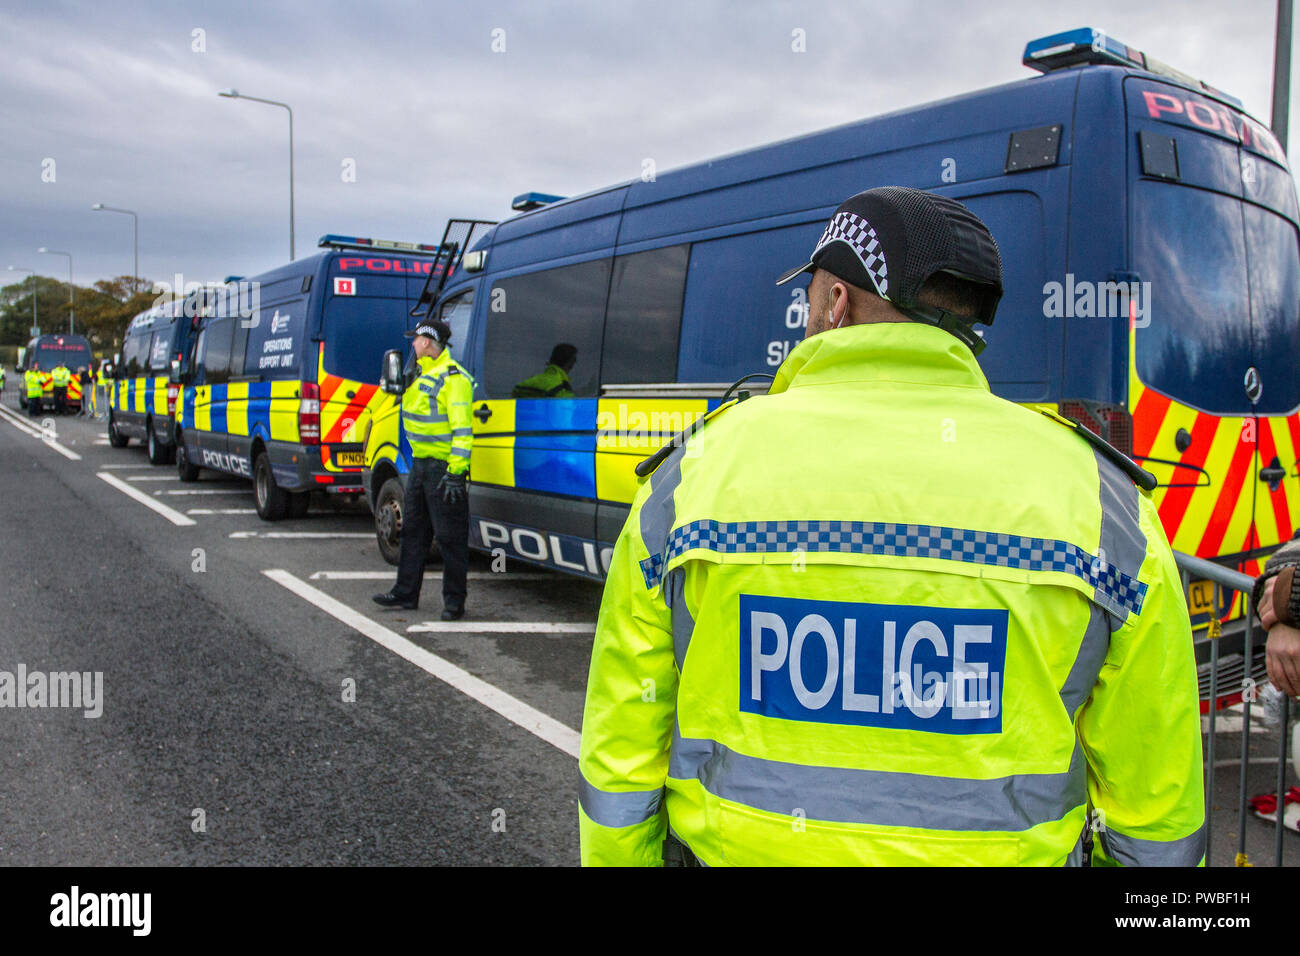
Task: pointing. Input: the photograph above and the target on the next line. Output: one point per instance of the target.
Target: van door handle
(1273, 474)
(483, 413)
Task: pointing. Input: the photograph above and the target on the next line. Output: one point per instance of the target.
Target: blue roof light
(1088, 46)
(526, 202)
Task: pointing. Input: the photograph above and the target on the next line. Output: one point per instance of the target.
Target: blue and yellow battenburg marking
(265, 409)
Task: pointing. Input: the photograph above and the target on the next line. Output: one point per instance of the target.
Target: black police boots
(389, 599)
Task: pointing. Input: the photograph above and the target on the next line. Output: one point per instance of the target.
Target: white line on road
(386, 575)
(102, 441)
(206, 491)
(175, 517)
(541, 725)
(223, 511)
(501, 627)
(35, 432)
(140, 467)
(315, 535)
(153, 478)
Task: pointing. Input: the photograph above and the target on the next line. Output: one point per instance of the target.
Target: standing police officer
(436, 418)
(33, 381)
(881, 616)
(61, 377)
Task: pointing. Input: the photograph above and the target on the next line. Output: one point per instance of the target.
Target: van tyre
(272, 500)
(158, 452)
(299, 502)
(388, 524)
(115, 438)
(184, 469)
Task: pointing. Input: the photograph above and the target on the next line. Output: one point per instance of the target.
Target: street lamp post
(135, 276)
(32, 273)
(236, 95)
(54, 252)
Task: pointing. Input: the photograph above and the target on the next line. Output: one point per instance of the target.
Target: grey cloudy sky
(439, 125)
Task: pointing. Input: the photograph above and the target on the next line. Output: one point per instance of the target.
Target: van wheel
(299, 502)
(388, 524)
(115, 438)
(157, 450)
(184, 469)
(272, 500)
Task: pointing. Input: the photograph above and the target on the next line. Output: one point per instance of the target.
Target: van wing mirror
(390, 373)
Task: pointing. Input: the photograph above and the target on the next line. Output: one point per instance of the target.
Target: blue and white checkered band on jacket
(857, 233)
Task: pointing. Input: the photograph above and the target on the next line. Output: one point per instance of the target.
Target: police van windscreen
(74, 355)
(1223, 297)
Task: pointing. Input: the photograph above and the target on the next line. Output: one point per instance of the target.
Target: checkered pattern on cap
(855, 232)
(1117, 591)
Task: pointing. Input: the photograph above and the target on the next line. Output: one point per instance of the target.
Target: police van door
(533, 466)
(211, 373)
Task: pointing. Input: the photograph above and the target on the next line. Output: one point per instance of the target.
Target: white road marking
(501, 627)
(103, 441)
(385, 575)
(223, 511)
(175, 517)
(153, 478)
(34, 432)
(141, 467)
(541, 725)
(206, 491)
(315, 535)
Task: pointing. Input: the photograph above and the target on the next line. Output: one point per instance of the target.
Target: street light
(135, 276)
(236, 95)
(55, 252)
(32, 273)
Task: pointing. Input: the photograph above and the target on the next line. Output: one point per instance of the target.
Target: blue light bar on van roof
(1088, 46)
(527, 202)
(356, 242)
(229, 279)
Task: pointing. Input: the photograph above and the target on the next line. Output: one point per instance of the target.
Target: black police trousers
(426, 516)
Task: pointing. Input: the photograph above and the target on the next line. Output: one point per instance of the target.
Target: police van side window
(456, 313)
(529, 315)
(159, 347)
(645, 317)
(215, 358)
(135, 353)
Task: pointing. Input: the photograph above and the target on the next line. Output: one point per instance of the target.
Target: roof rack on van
(527, 202)
(456, 238)
(1088, 46)
(356, 242)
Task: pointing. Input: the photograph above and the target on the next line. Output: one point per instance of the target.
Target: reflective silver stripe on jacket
(611, 809)
(432, 418)
(882, 798)
(1134, 851)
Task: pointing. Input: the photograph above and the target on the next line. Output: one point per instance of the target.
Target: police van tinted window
(1194, 344)
(218, 339)
(276, 339)
(644, 317)
(735, 319)
(456, 313)
(358, 330)
(160, 348)
(1274, 270)
(135, 353)
(528, 315)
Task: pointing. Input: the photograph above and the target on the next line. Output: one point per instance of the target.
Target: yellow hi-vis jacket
(61, 376)
(436, 412)
(881, 616)
(32, 379)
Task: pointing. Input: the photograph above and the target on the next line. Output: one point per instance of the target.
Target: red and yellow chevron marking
(339, 413)
(1227, 509)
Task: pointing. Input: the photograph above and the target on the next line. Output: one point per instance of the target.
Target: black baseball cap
(892, 239)
(434, 329)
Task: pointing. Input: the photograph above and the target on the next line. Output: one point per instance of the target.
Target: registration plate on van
(350, 459)
(1200, 598)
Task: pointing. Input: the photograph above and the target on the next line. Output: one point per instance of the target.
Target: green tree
(102, 311)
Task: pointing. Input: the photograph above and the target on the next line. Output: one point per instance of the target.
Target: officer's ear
(839, 311)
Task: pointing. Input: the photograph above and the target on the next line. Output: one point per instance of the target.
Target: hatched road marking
(175, 517)
(511, 708)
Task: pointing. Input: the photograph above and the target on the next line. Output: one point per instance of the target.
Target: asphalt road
(223, 691)
(227, 735)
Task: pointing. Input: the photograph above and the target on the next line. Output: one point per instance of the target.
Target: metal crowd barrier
(1225, 581)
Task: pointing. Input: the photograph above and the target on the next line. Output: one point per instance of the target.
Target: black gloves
(452, 488)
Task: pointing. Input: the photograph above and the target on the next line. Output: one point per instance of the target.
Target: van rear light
(309, 414)
(1111, 422)
(172, 392)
